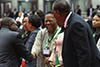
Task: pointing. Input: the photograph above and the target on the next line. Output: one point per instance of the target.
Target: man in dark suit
(15, 14)
(79, 48)
(77, 10)
(11, 45)
(89, 11)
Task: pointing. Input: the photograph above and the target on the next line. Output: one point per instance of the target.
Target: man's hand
(46, 60)
(51, 64)
(34, 56)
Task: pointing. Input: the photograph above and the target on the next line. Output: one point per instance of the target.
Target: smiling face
(50, 23)
(96, 21)
(24, 23)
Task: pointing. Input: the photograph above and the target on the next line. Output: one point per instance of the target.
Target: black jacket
(78, 11)
(79, 48)
(88, 11)
(12, 49)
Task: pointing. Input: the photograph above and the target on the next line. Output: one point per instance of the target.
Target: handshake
(34, 56)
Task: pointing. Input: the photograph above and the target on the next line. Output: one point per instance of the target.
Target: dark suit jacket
(16, 15)
(79, 48)
(88, 11)
(78, 11)
(26, 36)
(12, 48)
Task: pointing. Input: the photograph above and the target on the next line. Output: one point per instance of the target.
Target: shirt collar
(65, 23)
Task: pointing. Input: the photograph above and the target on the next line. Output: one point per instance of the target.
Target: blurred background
(44, 5)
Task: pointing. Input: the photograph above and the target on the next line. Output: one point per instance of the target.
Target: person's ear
(58, 13)
(30, 24)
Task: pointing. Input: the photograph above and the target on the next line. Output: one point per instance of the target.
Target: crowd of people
(59, 38)
(88, 11)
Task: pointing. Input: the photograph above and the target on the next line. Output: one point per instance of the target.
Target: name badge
(45, 51)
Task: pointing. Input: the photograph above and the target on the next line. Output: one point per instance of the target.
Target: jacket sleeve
(37, 44)
(30, 41)
(79, 35)
(21, 49)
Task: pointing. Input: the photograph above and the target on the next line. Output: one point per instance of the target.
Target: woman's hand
(46, 60)
(51, 64)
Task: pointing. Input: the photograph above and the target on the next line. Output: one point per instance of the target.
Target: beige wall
(95, 3)
(13, 2)
(40, 5)
(82, 5)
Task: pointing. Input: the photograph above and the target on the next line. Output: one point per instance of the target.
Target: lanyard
(93, 35)
(36, 29)
(58, 31)
(22, 35)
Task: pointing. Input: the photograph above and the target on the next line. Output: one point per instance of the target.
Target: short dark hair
(49, 12)
(95, 12)
(35, 20)
(78, 5)
(41, 15)
(61, 6)
(98, 6)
